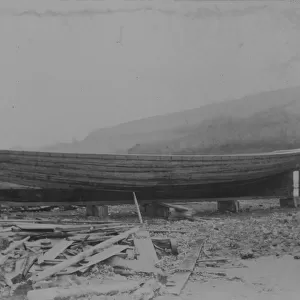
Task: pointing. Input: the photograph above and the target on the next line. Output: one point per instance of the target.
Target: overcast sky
(69, 67)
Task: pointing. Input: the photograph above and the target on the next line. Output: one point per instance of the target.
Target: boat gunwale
(179, 157)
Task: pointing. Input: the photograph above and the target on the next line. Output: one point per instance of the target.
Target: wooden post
(296, 184)
(97, 211)
(229, 205)
(288, 202)
(155, 210)
(291, 200)
(137, 208)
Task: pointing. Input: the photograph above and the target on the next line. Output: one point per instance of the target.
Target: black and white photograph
(149, 149)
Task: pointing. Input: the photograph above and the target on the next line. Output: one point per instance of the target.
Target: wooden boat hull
(276, 186)
(140, 173)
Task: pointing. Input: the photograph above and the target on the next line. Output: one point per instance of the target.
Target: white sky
(64, 70)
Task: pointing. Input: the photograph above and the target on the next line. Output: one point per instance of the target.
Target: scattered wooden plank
(92, 238)
(53, 261)
(55, 250)
(111, 288)
(15, 245)
(221, 259)
(66, 227)
(55, 269)
(91, 227)
(30, 260)
(44, 235)
(168, 231)
(179, 279)
(144, 247)
(95, 259)
(104, 229)
(36, 227)
(54, 222)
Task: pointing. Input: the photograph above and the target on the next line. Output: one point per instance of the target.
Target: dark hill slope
(191, 128)
(273, 129)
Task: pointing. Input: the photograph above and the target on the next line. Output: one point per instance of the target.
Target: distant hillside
(273, 129)
(268, 120)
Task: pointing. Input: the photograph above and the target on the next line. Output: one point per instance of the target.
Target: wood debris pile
(46, 260)
(66, 256)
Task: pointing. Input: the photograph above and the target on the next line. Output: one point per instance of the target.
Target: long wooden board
(56, 250)
(180, 278)
(144, 246)
(105, 254)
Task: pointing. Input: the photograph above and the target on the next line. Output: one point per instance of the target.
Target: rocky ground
(239, 253)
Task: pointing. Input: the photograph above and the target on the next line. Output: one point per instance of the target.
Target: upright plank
(296, 184)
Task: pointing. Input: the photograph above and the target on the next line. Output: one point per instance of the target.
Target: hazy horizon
(72, 67)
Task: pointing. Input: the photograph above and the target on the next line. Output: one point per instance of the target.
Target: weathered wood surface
(92, 260)
(277, 186)
(144, 247)
(81, 256)
(135, 172)
(179, 279)
(55, 251)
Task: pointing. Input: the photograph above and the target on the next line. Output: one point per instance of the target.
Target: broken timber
(179, 279)
(103, 245)
(145, 248)
(95, 259)
(55, 251)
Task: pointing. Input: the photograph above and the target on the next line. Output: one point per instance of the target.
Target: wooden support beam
(289, 202)
(100, 211)
(230, 205)
(157, 211)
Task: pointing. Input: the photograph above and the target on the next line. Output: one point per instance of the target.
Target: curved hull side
(139, 172)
